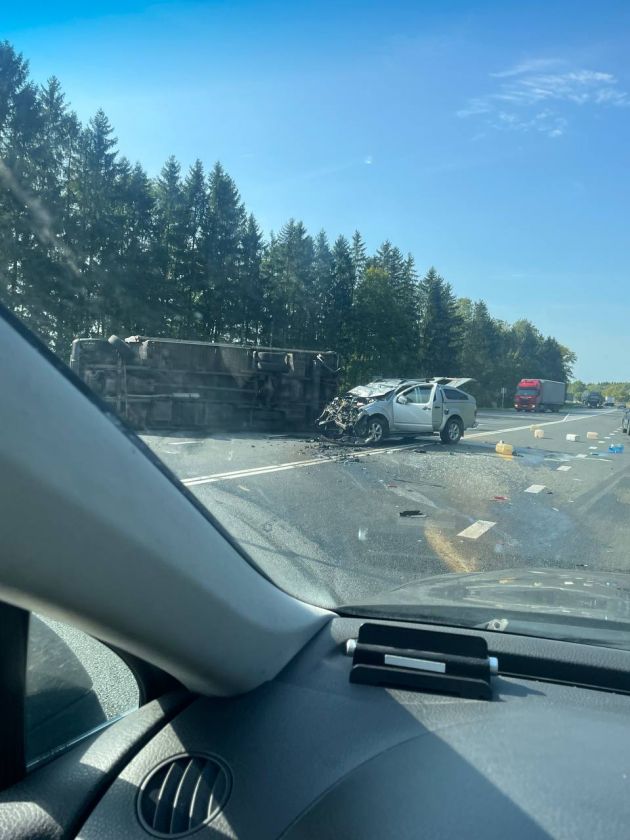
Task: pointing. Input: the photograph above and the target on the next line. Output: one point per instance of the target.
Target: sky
(489, 139)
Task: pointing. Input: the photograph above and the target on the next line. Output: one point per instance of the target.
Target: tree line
(91, 245)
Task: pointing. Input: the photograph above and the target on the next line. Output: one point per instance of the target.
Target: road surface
(324, 521)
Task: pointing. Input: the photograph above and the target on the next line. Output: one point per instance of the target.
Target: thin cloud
(522, 90)
(534, 65)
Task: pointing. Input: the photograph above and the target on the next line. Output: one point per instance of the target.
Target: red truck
(539, 395)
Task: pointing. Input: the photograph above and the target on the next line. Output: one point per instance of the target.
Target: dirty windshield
(356, 273)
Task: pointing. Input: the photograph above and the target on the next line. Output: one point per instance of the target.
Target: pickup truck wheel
(375, 430)
(452, 432)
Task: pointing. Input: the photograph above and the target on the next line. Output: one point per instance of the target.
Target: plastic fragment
(539, 433)
(573, 437)
(592, 435)
(408, 513)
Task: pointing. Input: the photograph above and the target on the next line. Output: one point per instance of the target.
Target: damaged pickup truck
(402, 407)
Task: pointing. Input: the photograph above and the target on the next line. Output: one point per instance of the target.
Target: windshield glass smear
(367, 312)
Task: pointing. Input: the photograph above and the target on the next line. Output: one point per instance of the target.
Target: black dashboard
(311, 755)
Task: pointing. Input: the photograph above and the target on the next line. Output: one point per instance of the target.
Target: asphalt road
(325, 522)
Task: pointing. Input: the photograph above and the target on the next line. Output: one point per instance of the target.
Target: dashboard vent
(182, 794)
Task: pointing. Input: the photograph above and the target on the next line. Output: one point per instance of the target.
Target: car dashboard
(312, 755)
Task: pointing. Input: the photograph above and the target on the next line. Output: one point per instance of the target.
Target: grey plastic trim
(93, 533)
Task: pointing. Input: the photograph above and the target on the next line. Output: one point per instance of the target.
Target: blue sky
(490, 139)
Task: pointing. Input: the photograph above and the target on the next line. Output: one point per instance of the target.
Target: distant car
(407, 407)
(625, 422)
(609, 402)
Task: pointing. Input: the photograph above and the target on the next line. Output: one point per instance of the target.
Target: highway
(335, 524)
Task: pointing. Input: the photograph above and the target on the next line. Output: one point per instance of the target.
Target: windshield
(243, 224)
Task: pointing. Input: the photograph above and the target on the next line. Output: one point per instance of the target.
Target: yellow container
(504, 448)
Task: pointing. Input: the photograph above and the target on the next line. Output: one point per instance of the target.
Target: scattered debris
(617, 448)
(539, 433)
(500, 499)
(391, 485)
(362, 534)
(573, 437)
(503, 448)
(407, 513)
(592, 435)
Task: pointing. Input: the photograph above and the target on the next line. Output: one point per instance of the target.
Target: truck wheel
(452, 432)
(375, 430)
(126, 352)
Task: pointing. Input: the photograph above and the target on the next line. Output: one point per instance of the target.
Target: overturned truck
(158, 383)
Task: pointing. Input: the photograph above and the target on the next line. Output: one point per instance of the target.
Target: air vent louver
(183, 793)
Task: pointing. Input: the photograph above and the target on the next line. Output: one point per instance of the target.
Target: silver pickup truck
(411, 407)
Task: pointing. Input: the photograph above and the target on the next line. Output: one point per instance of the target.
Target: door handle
(426, 408)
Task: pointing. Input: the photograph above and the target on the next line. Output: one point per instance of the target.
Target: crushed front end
(343, 416)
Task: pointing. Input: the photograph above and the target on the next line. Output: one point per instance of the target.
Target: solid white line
(474, 531)
(565, 418)
(535, 488)
(290, 465)
(564, 469)
(525, 426)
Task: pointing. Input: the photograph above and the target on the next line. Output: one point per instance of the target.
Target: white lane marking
(582, 455)
(182, 442)
(592, 447)
(563, 469)
(245, 473)
(535, 488)
(525, 426)
(474, 531)
(290, 465)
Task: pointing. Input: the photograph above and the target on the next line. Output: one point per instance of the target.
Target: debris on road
(539, 433)
(408, 513)
(503, 448)
(573, 437)
(500, 499)
(592, 435)
(616, 448)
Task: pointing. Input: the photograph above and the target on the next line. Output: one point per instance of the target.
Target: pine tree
(169, 245)
(225, 224)
(252, 294)
(440, 326)
(359, 257)
(195, 316)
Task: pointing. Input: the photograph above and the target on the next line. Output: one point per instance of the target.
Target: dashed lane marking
(563, 469)
(474, 531)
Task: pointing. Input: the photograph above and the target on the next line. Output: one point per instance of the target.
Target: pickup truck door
(413, 409)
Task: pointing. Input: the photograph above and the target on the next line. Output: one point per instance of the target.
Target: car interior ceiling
(255, 722)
